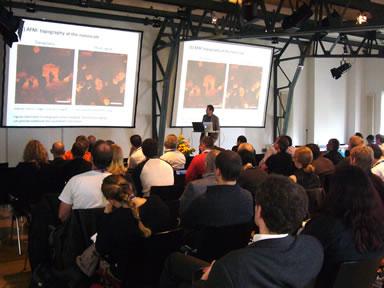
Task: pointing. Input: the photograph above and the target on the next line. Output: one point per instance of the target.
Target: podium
(206, 129)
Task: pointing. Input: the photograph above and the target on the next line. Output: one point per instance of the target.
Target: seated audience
(333, 151)
(378, 161)
(223, 204)
(370, 139)
(198, 187)
(58, 151)
(87, 155)
(136, 155)
(274, 258)
(153, 171)
(281, 162)
(272, 150)
(197, 167)
(117, 164)
(83, 191)
(240, 139)
(251, 177)
(305, 175)
(351, 227)
(92, 141)
(127, 220)
(323, 166)
(77, 164)
(171, 155)
(354, 141)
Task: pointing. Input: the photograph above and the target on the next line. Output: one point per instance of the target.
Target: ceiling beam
(225, 7)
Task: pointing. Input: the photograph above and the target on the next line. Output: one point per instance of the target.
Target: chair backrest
(7, 180)
(215, 242)
(356, 274)
(167, 193)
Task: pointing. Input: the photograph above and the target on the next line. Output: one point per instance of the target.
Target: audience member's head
(135, 140)
(171, 142)
(210, 160)
(370, 139)
(359, 135)
(58, 149)
(246, 146)
(333, 145)
(281, 205)
(315, 150)
(247, 157)
(149, 147)
(78, 149)
(355, 141)
(102, 155)
(91, 139)
(228, 165)
(110, 142)
(206, 142)
(377, 152)
(379, 139)
(120, 193)
(117, 163)
(362, 156)
(353, 199)
(303, 158)
(241, 139)
(282, 144)
(288, 138)
(35, 152)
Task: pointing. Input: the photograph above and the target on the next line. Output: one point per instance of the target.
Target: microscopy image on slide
(101, 78)
(243, 88)
(204, 84)
(44, 75)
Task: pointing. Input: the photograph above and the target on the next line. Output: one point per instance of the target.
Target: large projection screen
(65, 75)
(233, 77)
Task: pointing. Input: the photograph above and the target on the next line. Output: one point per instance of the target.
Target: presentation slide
(233, 77)
(71, 75)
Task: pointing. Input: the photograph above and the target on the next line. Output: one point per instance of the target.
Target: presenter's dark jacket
(215, 125)
(282, 262)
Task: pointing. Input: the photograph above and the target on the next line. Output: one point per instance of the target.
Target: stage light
(213, 18)
(337, 72)
(298, 18)
(11, 27)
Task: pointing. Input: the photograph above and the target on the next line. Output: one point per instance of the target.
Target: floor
(12, 270)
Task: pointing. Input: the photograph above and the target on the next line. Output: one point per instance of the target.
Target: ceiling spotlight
(298, 18)
(361, 19)
(11, 27)
(337, 72)
(213, 19)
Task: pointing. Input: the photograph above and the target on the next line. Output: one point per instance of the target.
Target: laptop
(208, 126)
(198, 126)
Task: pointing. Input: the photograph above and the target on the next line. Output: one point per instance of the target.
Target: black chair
(214, 242)
(325, 180)
(157, 248)
(356, 274)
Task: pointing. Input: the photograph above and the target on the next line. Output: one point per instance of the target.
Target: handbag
(88, 261)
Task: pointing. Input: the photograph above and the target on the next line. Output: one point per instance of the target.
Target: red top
(197, 167)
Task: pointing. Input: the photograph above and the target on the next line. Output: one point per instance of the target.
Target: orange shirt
(68, 156)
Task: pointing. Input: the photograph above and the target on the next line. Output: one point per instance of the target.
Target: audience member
(281, 162)
(333, 151)
(198, 187)
(305, 175)
(77, 164)
(153, 171)
(92, 141)
(87, 155)
(240, 139)
(127, 220)
(350, 227)
(370, 139)
(323, 166)
(354, 141)
(251, 177)
(171, 155)
(273, 150)
(117, 164)
(83, 191)
(225, 203)
(197, 167)
(359, 135)
(378, 161)
(58, 151)
(136, 155)
(275, 258)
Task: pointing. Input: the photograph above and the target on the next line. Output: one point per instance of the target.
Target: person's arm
(216, 124)
(64, 211)
(66, 198)
(217, 277)
(192, 172)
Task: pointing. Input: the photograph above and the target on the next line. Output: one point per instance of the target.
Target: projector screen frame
(6, 64)
(229, 42)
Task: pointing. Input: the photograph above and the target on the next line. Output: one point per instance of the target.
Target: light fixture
(11, 27)
(338, 71)
(361, 19)
(213, 18)
(298, 18)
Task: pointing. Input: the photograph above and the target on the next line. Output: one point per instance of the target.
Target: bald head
(58, 149)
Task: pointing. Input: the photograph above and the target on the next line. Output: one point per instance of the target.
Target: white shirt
(136, 158)
(175, 158)
(378, 169)
(259, 237)
(156, 172)
(83, 191)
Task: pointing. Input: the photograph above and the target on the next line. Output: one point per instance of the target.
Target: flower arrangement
(184, 146)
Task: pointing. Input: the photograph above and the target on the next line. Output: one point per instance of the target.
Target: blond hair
(304, 156)
(35, 151)
(116, 187)
(117, 163)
